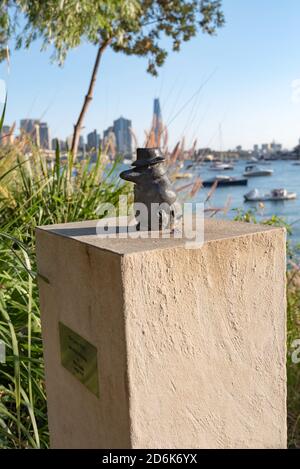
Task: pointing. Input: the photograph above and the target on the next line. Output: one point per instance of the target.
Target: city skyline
(246, 79)
(93, 139)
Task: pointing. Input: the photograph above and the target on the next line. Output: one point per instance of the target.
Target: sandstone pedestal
(181, 348)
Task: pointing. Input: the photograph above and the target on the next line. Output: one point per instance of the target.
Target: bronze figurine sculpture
(152, 189)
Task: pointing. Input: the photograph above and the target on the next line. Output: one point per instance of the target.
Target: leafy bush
(293, 369)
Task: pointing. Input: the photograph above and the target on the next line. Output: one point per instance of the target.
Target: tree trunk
(88, 98)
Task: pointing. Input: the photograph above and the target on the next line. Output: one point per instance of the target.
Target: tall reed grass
(34, 191)
(23, 410)
(293, 369)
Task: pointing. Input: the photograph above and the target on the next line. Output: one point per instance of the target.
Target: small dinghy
(273, 196)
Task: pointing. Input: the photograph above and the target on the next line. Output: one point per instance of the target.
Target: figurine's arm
(130, 175)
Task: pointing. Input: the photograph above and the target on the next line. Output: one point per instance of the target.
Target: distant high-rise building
(93, 140)
(256, 148)
(239, 148)
(44, 136)
(62, 144)
(5, 130)
(265, 147)
(157, 123)
(275, 147)
(6, 135)
(107, 131)
(109, 142)
(69, 141)
(122, 131)
(81, 143)
(30, 127)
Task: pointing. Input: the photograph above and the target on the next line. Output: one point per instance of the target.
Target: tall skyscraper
(93, 140)
(157, 124)
(122, 131)
(44, 135)
(30, 127)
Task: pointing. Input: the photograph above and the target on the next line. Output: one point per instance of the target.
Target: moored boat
(222, 181)
(252, 160)
(273, 196)
(255, 171)
(221, 166)
(127, 161)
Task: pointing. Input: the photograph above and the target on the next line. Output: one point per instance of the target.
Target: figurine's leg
(172, 220)
(163, 220)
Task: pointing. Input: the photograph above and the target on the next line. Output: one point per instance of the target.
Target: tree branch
(88, 98)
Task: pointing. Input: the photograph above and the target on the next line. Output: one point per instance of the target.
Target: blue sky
(252, 94)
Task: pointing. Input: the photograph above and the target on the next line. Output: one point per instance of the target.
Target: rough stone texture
(191, 343)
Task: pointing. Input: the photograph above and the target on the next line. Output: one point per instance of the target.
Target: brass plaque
(79, 357)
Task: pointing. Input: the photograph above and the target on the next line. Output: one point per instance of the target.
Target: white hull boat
(127, 161)
(255, 171)
(273, 196)
(221, 167)
(252, 160)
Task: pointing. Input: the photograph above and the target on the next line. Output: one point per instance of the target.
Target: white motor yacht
(254, 171)
(273, 196)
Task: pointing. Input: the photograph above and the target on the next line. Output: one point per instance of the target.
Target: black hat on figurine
(148, 157)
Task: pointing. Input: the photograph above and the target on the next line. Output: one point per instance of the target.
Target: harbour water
(286, 175)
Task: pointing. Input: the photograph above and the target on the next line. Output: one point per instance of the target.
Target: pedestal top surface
(92, 233)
